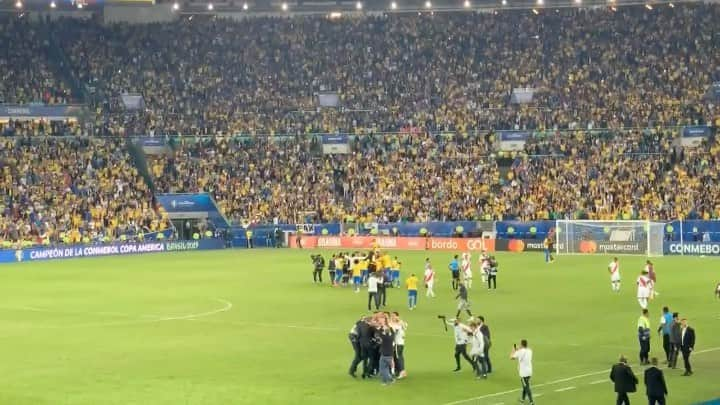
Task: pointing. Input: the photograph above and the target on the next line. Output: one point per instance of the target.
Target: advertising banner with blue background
(513, 140)
(32, 111)
(113, 249)
(692, 136)
(192, 205)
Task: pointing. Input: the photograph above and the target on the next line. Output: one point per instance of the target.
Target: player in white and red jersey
(466, 270)
(650, 269)
(644, 286)
(614, 269)
(484, 266)
(429, 279)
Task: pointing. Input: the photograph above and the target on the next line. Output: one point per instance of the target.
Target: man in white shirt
(429, 279)
(524, 357)
(373, 291)
(461, 340)
(614, 269)
(466, 270)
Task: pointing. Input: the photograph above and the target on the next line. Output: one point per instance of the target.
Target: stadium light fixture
(393, 5)
(540, 2)
(648, 6)
(284, 7)
(359, 5)
(671, 5)
(428, 4)
(211, 7)
(578, 1)
(18, 4)
(504, 2)
(176, 6)
(535, 12)
(466, 4)
(245, 6)
(79, 6)
(53, 4)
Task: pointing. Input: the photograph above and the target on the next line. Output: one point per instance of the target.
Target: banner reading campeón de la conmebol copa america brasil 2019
(67, 252)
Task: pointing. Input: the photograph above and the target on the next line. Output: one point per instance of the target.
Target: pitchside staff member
(461, 341)
(486, 332)
(319, 265)
(666, 321)
(492, 273)
(624, 379)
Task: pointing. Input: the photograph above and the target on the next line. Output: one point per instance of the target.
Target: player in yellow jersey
(357, 275)
(395, 278)
(411, 283)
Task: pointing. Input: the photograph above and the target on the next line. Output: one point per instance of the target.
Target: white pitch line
(564, 389)
(599, 382)
(226, 307)
(462, 401)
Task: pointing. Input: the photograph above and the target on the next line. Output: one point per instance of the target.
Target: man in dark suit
(485, 330)
(687, 345)
(625, 381)
(655, 384)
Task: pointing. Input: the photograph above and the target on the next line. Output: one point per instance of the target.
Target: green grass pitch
(249, 327)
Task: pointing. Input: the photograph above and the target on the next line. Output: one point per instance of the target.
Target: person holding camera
(399, 326)
(461, 340)
(523, 355)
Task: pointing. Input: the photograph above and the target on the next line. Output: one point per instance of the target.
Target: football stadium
(417, 202)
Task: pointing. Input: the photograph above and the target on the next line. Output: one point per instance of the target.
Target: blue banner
(692, 248)
(186, 202)
(335, 139)
(523, 230)
(151, 142)
(113, 249)
(702, 131)
(57, 112)
(510, 136)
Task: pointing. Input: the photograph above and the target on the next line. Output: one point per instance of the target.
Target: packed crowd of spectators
(69, 190)
(26, 73)
(442, 81)
(578, 174)
(449, 71)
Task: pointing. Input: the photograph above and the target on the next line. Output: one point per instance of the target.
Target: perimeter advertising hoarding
(402, 243)
(113, 249)
(692, 248)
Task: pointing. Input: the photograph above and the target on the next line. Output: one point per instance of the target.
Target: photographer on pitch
(461, 341)
(492, 273)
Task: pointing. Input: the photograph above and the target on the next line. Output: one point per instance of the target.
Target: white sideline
(227, 305)
(462, 401)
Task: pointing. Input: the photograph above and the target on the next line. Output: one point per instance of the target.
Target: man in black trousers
(625, 381)
(687, 345)
(655, 384)
(485, 330)
(365, 334)
(675, 339)
(461, 340)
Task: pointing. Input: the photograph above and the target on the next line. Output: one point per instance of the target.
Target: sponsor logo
(695, 248)
(619, 247)
(475, 244)
(443, 244)
(387, 242)
(329, 241)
